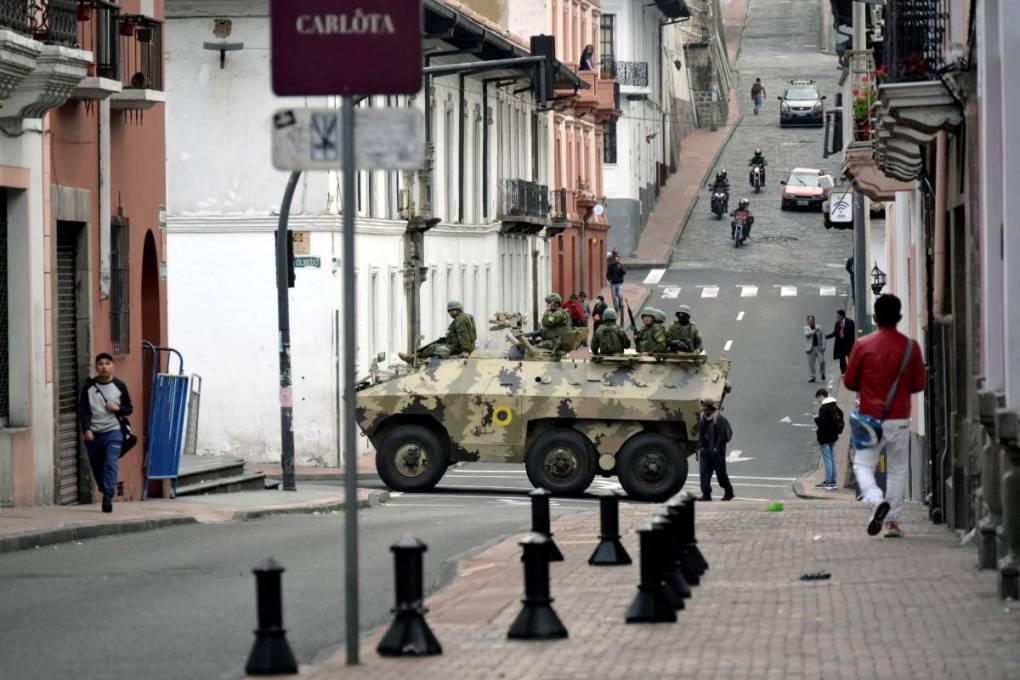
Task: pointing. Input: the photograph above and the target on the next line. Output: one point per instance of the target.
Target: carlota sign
(346, 47)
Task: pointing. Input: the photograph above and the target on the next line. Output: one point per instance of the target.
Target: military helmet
(553, 297)
(647, 311)
(744, 203)
(609, 314)
(454, 304)
(660, 315)
(683, 309)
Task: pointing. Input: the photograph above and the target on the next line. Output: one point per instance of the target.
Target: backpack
(840, 423)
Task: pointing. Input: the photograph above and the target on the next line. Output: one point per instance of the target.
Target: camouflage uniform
(684, 338)
(609, 339)
(555, 324)
(460, 337)
(651, 338)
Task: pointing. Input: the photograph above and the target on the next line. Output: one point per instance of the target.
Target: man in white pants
(885, 368)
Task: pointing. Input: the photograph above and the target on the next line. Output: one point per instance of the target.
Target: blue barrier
(167, 416)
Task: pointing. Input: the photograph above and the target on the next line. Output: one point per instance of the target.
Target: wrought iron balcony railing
(915, 41)
(54, 21)
(14, 15)
(632, 73)
(98, 34)
(141, 52)
(521, 198)
(564, 205)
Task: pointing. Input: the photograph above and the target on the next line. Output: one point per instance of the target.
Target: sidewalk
(805, 486)
(30, 527)
(894, 608)
(312, 473)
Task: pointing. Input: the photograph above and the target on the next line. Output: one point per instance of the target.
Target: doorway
(73, 483)
(152, 329)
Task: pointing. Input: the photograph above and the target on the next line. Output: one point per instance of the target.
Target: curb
(40, 539)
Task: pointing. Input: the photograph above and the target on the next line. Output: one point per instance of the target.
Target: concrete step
(247, 481)
(196, 469)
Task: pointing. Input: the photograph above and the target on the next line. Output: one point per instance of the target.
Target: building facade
(470, 226)
(81, 166)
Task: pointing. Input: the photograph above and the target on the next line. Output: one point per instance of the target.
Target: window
(5, 361)
(607, 28)
(609, 142)
(119, 295)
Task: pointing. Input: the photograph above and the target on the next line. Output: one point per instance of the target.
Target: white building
(488, 192)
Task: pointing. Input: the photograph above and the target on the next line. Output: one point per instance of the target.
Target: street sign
(346, 47)
(840, 208)
(307, 261)
(388, 139)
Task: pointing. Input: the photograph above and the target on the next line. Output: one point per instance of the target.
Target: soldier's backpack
(610, 341)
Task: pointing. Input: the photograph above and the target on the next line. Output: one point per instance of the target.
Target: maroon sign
(346, 47)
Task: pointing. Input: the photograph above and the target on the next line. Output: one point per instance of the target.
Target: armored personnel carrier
(566, 420)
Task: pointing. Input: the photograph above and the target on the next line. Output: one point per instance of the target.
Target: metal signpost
(330, 47)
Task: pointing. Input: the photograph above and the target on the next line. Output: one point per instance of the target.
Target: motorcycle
(720, 201)
(757, 178)
(737, 229)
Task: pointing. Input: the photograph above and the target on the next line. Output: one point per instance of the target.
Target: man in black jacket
(614, 274)
(844, 335)
(714, 432)
(104, 400)
(829, 422)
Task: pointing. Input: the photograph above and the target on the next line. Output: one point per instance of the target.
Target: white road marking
(509, 470)
(463, 476)
(729, 343)
(802, 425)
(735, 457)
(428, 505)
(654, 276)
(834, 265)
(710, 291)
(827, 291)
(788, 291)
(767, 486)
(787, 418)
(398, 494)
(670, 292)
(740, 316)
(766, 479)
(748, 291)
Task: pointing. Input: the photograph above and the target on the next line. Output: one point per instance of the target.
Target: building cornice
(199, 223)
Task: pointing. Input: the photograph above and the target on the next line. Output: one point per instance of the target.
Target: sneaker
(875, 525)
(811, 379)
(822, 485)
(107, 504)
(892, 530)
(830, 486)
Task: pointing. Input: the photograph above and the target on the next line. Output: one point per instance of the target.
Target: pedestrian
(608, 337)
(850, 271)
(714, 433)
(843, 336)
(573, 307)
(885, 368)
(587, 60)
(598, 312)
(830, 423)
(103, 402)
(582, 299)
(814, 346)
(757, 95)
(614, 274)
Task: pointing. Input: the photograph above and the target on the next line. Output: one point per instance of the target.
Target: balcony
(631, 75)
(98, 25)
(141, 55)
(18, 52)
(523, 205)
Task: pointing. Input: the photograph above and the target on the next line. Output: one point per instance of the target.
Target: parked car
(805, 188)
(801, 104)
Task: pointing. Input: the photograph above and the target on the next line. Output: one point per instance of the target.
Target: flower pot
(83, 12)
(144, 34)
(126, 29)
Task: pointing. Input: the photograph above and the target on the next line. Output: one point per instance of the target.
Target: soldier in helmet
(651, 339)
(459, 340)
(555, 322)
(609, 338)
(683, 335)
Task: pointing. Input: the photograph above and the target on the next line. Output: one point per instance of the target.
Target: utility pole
(861, 256)
(283, 317)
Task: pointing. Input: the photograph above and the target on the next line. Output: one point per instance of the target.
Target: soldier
(555, 323)
(652, 338)
(683, 334)
(459, 340)
(609, 338)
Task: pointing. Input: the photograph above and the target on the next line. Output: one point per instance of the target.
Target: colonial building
(469, 226)
(81, 168)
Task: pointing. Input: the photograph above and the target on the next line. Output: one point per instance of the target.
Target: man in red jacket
(874, 364)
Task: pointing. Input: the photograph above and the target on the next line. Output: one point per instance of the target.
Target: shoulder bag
(865, 431)
(126, 431)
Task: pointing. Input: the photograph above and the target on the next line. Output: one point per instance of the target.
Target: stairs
(201, 475)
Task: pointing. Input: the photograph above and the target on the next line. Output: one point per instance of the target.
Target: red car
(805, 188)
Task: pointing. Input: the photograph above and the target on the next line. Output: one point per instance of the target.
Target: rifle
(630, 314)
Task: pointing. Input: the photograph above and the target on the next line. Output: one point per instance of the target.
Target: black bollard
(409, 634)
(690, 534)
(674, 593)
(673, 577)
(541, 521)
(537, 619)
(609, 552)
(271, 654)
(651, 604)
(677, 554)
(690, 566)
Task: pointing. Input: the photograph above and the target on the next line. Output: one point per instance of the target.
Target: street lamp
(877, 280)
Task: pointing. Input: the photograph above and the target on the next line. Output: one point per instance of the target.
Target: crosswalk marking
(671, 292)
(729, 343)
(654, 276)
(748, 291)
(710, 292)
(827, 291)
(788, 291)
(740, 316)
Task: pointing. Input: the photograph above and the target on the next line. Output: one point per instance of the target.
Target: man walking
(714, 433)
(757, 94)
(104, 400)
(614, 274)
(843, 339)
(829, 422)
(885, 368)
(814, 346)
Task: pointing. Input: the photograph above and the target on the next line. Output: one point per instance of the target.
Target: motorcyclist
(742, 213)
(758, 159)
(721, 182)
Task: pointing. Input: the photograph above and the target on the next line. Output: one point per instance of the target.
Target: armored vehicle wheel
(411, 458)
(561, 461)
(651, 467)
